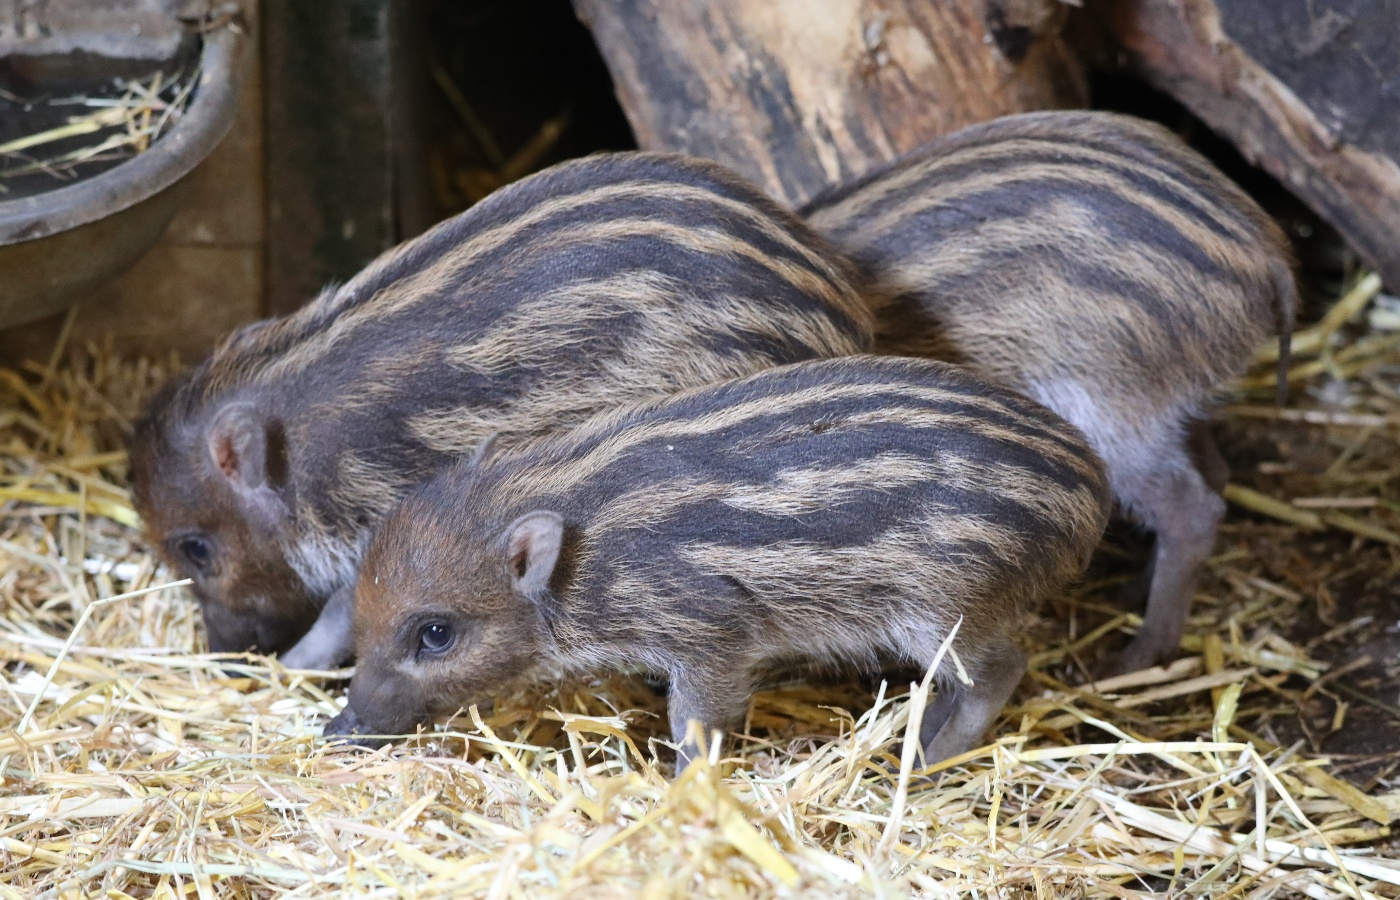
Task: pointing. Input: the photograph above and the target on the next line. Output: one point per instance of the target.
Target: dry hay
(145, 769)
(105, 128)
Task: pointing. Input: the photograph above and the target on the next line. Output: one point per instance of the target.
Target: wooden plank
(1307, 89)
(803, 94)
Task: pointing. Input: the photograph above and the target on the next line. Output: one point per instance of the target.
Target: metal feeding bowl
(61, 237)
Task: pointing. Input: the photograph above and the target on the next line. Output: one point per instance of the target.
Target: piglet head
(448, 612)
(214, 489)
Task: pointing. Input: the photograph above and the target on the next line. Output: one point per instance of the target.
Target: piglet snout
(351, 727)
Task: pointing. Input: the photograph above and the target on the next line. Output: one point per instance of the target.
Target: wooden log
(1309, 90)
(803, 94)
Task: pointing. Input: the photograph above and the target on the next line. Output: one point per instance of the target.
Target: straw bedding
(137, 766)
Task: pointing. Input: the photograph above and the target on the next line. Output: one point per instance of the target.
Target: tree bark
(803, 94)
(1307, 89)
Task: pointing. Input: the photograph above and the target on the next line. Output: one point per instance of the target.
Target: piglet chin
(350, 727)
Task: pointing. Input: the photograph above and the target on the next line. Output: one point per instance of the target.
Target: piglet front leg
(962, 713)
(330, 641)
(715, 695)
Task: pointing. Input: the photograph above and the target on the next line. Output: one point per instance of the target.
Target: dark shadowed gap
(531, 91)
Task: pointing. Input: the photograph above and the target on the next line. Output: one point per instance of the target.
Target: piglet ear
(532, 551)
(249, 449)
(238, 445)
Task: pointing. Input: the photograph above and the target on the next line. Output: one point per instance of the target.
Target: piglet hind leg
(330, 641)
(716, 696)
(1185, 513)
(1208, 460)
(962, 713)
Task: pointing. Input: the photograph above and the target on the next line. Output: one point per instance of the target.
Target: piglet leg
(1185, 513)
(962, 713)
(1206, 456)
(330, 641)
(714, 695)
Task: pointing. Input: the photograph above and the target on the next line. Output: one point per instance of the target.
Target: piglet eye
(197, 550)
(435, 637)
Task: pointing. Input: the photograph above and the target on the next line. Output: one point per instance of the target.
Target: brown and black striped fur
(599, 281)
(835, 510)
(1096, 263)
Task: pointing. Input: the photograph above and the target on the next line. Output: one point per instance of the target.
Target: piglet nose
(345, 723)
(351, 726)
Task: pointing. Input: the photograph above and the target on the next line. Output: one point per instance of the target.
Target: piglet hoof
(347, 728)
(1137, 656)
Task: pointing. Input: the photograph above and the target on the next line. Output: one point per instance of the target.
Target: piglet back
(601, 280)
(1047, 248)
(853, 488)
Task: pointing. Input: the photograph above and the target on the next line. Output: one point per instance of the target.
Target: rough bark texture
(803, 94)
(1307, 89)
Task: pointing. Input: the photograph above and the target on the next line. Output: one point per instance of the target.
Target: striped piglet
(837, 510)
(262, 473)
(1099, 265)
